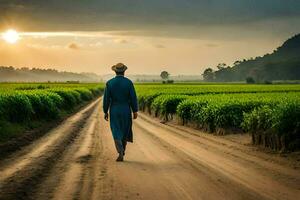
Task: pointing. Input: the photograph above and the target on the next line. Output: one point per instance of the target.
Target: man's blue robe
(120, 99)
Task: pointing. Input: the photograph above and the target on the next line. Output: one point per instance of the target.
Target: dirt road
(76, 160)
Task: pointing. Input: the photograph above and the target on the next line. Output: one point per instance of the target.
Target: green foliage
(287, 117)
(69, 100)
(168, 81)
(166, 104)
(186, 108)
(282, 121)
(164, 75)
(85, 94)
(269, 109)
(283, 118)
(199, 89)
(73, 97)
(25, 103)
(250, 80)
(208, 75)
(217, 111)
(43, 104)
(260, 119)
(146, 99)
(15, 107)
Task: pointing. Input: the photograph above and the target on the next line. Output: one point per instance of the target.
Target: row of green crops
(265, 111)
(21, 104)
(213, 89)
(276, 127)
(148, 92)
(226, 111)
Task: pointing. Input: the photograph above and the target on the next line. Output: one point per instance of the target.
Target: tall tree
(208, 74)
(221, 66)
(164, 75)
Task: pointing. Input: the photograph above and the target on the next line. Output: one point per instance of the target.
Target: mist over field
(11, 74)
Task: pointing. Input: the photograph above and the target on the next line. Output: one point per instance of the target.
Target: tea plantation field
(23, 105)
(271, 113)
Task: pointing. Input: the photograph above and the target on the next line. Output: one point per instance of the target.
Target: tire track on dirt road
(20, 174)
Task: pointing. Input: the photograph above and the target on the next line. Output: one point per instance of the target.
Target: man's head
(119, 68)
(120, 73)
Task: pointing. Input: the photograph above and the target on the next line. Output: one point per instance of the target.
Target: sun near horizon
(11, 36)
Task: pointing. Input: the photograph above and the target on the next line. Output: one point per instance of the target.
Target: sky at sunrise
(180, 36)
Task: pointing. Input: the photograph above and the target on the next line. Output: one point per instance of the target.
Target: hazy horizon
(182, 37)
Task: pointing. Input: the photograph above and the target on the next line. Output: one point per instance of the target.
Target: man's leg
(120, 149)
(124, 143)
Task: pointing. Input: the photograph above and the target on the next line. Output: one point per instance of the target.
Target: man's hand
(135, 115)
(106, 116)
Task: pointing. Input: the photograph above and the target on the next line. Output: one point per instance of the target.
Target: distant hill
(11, 74)
(282, 64)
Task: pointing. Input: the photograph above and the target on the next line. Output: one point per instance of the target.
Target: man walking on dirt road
(121, 101)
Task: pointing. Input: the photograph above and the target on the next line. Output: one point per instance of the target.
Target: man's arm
(133, 101)
(106, 102)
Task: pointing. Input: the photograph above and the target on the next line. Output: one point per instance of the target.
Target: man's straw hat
(120, 67)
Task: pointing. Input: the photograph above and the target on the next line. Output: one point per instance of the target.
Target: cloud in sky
(178, 18)
(73, 46)
(121, 41)
(160, 46)
(211, 45)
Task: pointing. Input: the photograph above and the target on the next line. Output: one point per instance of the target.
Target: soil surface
(76, 160)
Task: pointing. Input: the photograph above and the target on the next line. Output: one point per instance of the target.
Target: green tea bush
(260, 119)
(51, 104)
(76, 95)
(145, 100)
(185, 110)
(85, 94)
(276, 126)
(96, 91)
(15, 107)
(21, 104)
(166, 105)
(230, 114)
(69, 99)
(214, 108)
